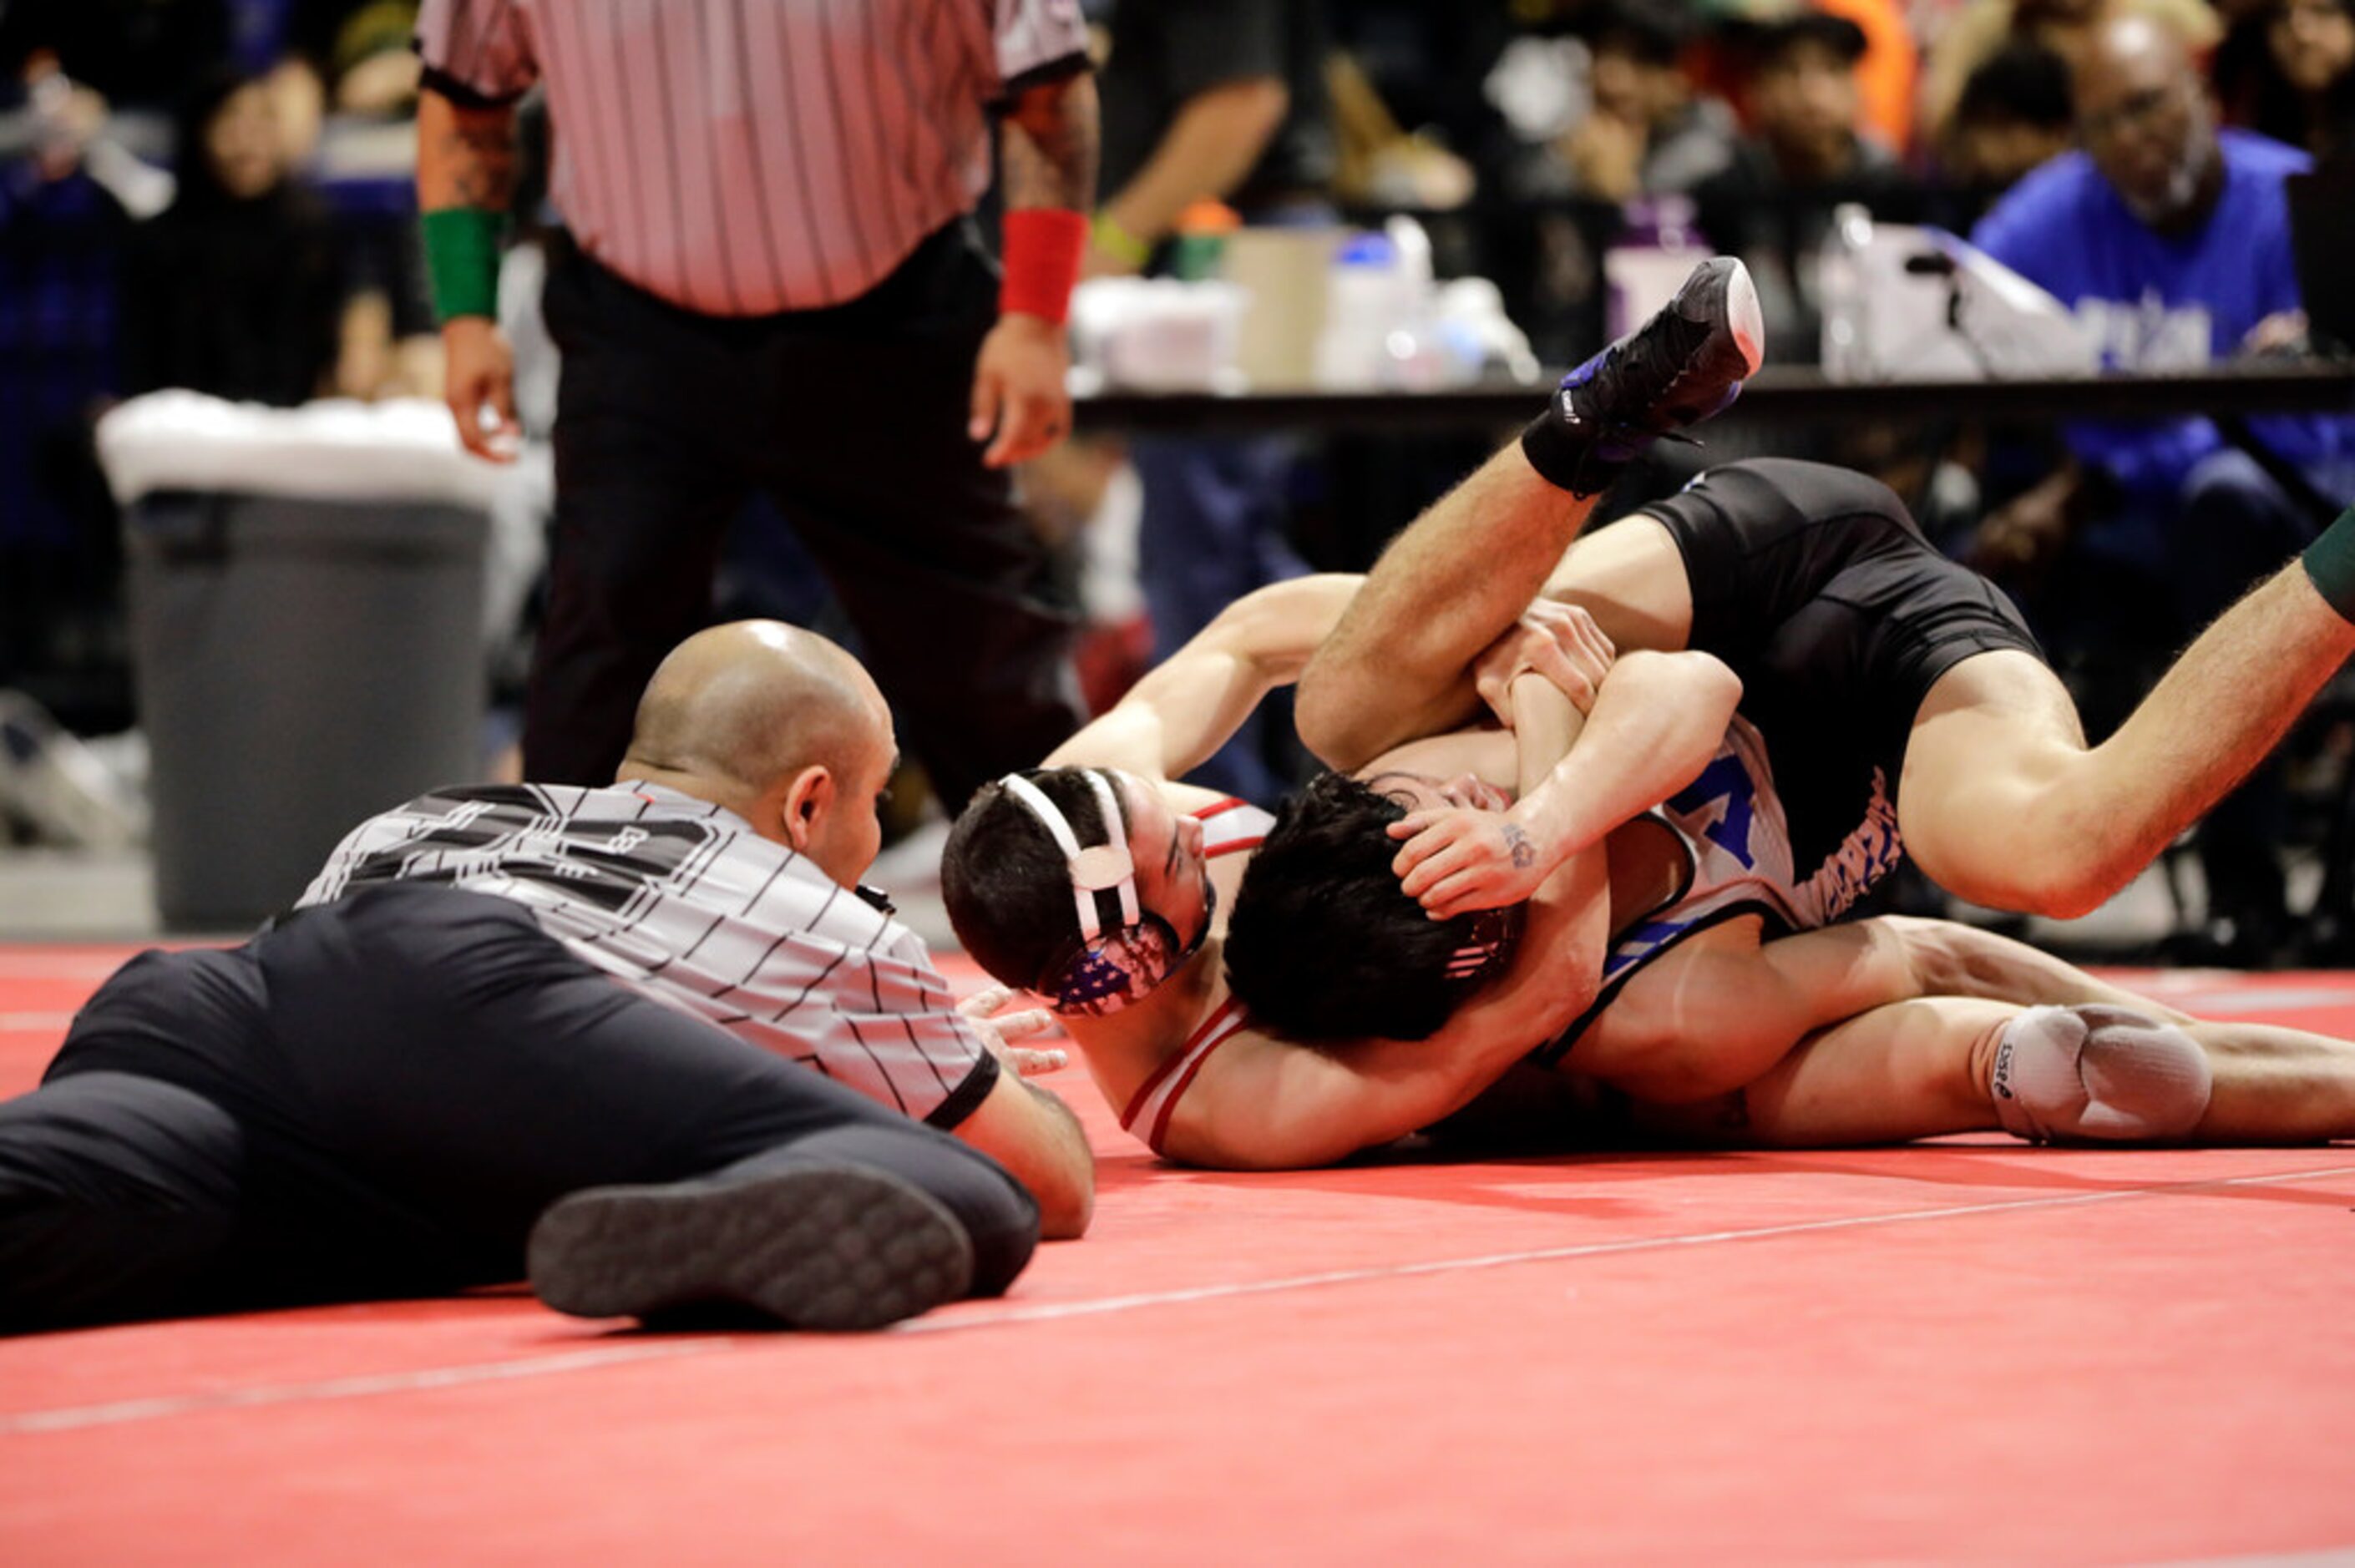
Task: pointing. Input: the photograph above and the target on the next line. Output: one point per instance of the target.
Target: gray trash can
(300, 665)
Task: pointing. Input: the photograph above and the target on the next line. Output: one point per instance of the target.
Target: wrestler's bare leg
(1722, 1009)
(1399, 664)
(1922, 1069)
(1912, 1069)
(2275, 1085)
(1950, 959)
(2003, 802)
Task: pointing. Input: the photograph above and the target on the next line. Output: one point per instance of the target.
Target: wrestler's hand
(1018, 391)
(1457, 859)
(980, 1010)
(1560, 641)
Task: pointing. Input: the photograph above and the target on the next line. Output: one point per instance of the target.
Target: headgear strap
(1099, 868)
(1107, 966)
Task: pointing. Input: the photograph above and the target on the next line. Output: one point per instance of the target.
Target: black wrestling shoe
(817, 1246)
(1684, 364)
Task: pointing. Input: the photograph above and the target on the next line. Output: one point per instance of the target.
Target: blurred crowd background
(216, 195)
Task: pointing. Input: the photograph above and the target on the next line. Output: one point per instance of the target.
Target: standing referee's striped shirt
(739, 157)
(680, 900)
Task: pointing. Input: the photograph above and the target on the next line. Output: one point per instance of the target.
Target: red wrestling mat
(1968, 1351)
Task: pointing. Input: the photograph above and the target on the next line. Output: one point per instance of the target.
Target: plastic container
(1655, 252)
(306, 591)
(1846, 343)
(300, 665)
(1200, 252)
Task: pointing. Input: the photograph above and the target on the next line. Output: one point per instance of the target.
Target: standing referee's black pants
(853, 419)
(377, 1098)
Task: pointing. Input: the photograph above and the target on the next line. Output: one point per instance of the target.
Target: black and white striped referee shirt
(681, 900)
(739, 157)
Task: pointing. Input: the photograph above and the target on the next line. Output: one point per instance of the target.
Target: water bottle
(1199, 250)
(1839, 288)
(1361, 289)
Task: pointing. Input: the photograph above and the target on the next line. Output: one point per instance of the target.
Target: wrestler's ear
(808, 797)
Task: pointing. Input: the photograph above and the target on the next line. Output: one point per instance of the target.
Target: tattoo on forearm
(1050, 151)
(1524, 853)
(482, 165)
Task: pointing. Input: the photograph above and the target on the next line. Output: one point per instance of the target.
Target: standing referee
(774, 281)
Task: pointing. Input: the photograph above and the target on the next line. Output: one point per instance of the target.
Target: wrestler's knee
(2098, 1073)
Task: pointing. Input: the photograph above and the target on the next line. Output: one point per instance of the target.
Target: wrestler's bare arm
(1268, 1104)
(1194, 700)
(1657, 721)
(1263, 1104)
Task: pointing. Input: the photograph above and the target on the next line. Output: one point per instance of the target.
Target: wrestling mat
(1970, 1351)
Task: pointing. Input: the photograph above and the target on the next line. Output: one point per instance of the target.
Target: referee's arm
(1047, 145)
(465, 182)
(1035, 1136)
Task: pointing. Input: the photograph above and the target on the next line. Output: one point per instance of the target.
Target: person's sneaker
(817, 1246)
(1685, 364)
(58, 787)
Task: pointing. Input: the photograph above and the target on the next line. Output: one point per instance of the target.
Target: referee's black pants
(853, 419)
(377, 1098)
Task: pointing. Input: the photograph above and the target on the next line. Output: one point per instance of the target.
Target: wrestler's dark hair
(1006, 885)
(1323, 945)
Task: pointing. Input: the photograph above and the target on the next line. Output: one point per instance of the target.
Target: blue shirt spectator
(2156, 302)
(2171, 241)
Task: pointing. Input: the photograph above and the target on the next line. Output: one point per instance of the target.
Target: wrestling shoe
(1684, 364)
(813, 1247)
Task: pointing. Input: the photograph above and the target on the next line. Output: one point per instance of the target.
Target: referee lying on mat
(657, 1030)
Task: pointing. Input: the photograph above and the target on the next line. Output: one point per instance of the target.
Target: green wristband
(2330, 562)
(462, 260)
(1112, 238)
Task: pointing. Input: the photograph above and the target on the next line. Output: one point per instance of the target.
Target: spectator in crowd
(237, 289)
(1983, 28)
(1887, 74)
(1646, 129)
(60, 234)
(1803, 158)
(776, 284)
(134, 53)
(1226, 101)
(2170, 242)
(2299, 80)
(2013, 116)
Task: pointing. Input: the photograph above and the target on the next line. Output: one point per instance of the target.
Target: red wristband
(1043, 247)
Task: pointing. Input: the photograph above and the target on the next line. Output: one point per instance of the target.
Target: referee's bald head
(743, 705)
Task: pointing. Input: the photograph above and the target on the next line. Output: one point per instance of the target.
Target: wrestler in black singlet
(1816, 586)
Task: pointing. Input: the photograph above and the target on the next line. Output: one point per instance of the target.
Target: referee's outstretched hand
(1017, 389)
(995, 1031)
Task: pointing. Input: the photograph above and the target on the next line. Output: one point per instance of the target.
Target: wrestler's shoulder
(1190, 798)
